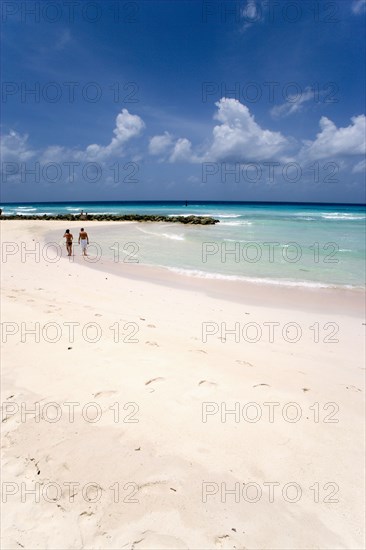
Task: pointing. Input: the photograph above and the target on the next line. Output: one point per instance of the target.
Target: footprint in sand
(151, 326)
(225, 542)
(107, 393)
(87, 525)
(152, 344)
(204, 389)
(245, 363)
(148, 540)
(256, 385)
(154, 380)
(86, 513)
(353, 388)
(198, 351)
(32, 463)
(207, 383)
(151, 484)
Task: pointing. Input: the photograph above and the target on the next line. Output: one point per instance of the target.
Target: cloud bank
(236, 137)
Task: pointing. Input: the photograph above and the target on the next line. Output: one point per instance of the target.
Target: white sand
(166, 460)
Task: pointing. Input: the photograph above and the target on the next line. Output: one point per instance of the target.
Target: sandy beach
(129, 420)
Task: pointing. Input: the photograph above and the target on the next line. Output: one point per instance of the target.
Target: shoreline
(296, 296)
(331, 300)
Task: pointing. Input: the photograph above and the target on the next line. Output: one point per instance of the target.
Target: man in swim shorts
(83, 240)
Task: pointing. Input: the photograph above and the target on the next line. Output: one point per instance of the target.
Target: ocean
(313, 245)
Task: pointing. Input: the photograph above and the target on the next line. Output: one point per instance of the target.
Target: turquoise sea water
(291, 244)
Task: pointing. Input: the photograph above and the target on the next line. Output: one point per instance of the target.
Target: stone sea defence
(190, 220)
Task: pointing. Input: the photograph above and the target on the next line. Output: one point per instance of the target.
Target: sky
(258, 100)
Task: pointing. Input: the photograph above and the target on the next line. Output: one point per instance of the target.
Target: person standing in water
(83, 240)
(69, 237)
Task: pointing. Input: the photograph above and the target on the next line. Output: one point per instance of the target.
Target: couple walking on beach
(83, 240)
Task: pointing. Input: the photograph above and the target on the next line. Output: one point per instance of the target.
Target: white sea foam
(277, 282)
(172, 236)
(237, 224)
(147, 232)
(185, 215)
(93, 212)
(236, 241)
(227, 215)
(341, 216)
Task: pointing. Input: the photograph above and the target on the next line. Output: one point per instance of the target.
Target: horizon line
(188, 201)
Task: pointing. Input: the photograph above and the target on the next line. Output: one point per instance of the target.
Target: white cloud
(159, 145)
(237, 138)
(14, 148)
(182, 151)
(54, 153)
(293, 105)
(240, 138)
(359, 167)
(173, 150)
(333, 142)
(358, 6)
(252, 12)
(14, 151)
(127, 127)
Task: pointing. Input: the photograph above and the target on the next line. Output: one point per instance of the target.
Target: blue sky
(175, 100)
